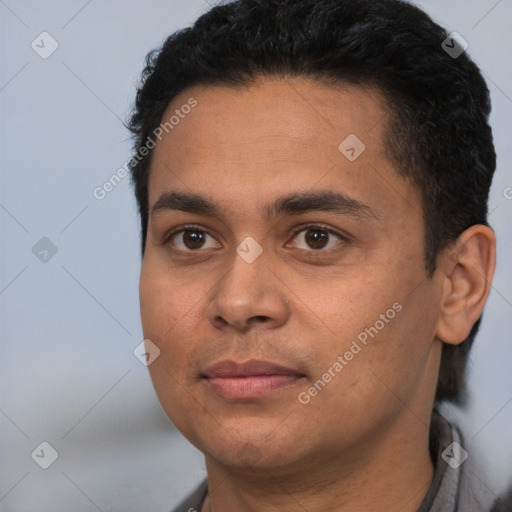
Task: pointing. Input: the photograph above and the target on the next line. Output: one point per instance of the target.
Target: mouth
(251, 379)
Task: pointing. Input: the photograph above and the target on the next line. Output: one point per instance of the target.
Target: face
(283, 279)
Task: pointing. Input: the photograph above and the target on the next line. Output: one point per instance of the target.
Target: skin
(362, 442)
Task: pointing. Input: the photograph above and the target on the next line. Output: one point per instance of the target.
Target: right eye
(190, 239)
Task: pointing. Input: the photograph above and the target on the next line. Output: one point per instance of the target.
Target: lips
(250, 379)
(253, 367)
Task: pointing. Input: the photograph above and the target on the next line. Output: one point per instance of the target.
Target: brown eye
(317, 238)
(193, 239)
(188, 240)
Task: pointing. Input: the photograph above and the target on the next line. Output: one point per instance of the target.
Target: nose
(249, 295)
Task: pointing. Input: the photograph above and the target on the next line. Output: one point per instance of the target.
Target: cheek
(382, 323)
(165, 311)
(164, 304)
(397, 356)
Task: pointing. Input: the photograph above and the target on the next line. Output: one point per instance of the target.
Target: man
(312, 178)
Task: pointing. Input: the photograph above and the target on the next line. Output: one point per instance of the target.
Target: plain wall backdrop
(70, 262)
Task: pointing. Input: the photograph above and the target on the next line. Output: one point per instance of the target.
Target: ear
(467, 268)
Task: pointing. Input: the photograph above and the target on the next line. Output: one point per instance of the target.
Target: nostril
(261, 318)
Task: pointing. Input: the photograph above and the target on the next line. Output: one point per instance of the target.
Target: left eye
(316, 237)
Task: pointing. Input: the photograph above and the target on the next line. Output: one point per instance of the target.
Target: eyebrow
(292, 204)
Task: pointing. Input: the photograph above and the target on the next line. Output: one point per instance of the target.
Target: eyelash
(191, 227)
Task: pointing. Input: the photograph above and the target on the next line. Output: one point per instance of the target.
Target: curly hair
(437, 135)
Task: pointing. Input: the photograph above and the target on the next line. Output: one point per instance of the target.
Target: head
(264, 94)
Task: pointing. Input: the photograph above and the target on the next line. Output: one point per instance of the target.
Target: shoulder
(503, 504)
(459, 483)
(194, 501)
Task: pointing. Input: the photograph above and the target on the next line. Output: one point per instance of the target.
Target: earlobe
(467, 269)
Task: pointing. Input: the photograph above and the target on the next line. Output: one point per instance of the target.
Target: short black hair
(437, 132)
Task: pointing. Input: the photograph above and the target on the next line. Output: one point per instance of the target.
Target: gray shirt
(456, 487)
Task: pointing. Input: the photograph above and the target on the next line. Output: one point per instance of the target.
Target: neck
(392, 474)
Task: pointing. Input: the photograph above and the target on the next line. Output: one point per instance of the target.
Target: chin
(251, 450)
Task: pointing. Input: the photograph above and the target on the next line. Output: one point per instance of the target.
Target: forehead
(266, 137)
(305, 114)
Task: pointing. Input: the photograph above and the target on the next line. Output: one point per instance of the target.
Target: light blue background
(69, 326)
